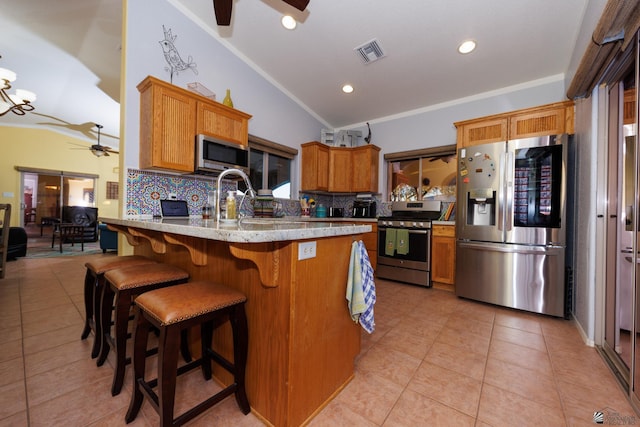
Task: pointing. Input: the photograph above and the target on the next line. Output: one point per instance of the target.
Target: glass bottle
(227, 99)
(209, 209)
(231, 205)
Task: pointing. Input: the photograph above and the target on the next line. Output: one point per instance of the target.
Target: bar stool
(171, 310)
(121, 286)
(93, 283)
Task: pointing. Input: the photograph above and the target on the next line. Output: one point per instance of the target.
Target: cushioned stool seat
(93, 283)
(172, 310)
(121, 286)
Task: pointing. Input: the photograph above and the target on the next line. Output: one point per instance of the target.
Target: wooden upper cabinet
(365, 161)
(220, 121)
(551, 119)
(170, 119)
(167, 127)
(537, 123)
(340, 170)
(315, 167)
(475, 132)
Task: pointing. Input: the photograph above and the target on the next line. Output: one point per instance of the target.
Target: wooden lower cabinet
(443, 257)
(371, 243)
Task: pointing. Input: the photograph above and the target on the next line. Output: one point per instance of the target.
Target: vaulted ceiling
(70, 54)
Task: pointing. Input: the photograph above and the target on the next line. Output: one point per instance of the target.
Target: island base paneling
(302, 341)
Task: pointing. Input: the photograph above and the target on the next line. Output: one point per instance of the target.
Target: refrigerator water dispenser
(481, 207)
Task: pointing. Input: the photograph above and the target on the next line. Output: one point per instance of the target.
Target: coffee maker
(364, 208)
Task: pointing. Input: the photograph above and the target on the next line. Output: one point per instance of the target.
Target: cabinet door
(482, 132)
(340, 172)
(370, 241)
(538, 123)
(365, 169)
(222, 122)
(443, 255)
(315, 167)
(167, 128)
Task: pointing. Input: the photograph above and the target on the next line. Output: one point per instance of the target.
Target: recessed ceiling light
(288, 22)
(347, 88)
(467, 46)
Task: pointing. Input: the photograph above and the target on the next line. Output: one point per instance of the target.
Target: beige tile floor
(434, 360)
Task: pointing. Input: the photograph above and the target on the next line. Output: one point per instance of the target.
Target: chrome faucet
(241, 174)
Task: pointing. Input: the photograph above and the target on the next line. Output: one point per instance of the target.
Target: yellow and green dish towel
(402, 241)
(396, 240)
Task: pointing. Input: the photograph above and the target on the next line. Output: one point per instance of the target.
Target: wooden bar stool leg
(184, 345)
(140, 338)
(206, 335)
(120, 325)
(89, 285)
(168, 371)
(240, 349)
(97, 297)
(106, 304)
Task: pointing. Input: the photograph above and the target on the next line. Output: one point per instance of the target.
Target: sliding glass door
(45, 192)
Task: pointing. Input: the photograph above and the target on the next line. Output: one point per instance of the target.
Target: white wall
(275, 116)
(433, 126)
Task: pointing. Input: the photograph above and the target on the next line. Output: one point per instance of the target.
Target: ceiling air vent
(370, 51)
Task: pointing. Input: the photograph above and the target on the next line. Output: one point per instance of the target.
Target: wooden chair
(68, 232)
(4, 237)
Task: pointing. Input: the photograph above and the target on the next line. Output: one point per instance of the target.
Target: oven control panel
(395, 223)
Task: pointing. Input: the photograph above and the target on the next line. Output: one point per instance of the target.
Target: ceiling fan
(101, 150)
(223, 9)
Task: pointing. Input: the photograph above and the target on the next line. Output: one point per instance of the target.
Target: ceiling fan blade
(223, 11)
(298, 4)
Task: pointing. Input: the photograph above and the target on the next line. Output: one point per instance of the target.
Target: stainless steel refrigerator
(511, 223)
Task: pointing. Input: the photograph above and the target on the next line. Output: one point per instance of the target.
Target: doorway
(46, 192)
(622, 279)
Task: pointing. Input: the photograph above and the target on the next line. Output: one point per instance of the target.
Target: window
(112, 190)
(422, 174)
(270, 166)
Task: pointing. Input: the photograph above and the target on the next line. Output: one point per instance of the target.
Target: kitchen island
(302, 341)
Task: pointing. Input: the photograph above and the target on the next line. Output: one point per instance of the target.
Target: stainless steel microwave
(215, 155)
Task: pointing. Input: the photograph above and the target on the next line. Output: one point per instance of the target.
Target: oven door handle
(410, 231)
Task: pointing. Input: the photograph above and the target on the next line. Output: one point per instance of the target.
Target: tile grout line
(24, 364)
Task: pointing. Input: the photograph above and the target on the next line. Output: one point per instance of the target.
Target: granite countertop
(246, 230)
(334, 219)
(443, 222)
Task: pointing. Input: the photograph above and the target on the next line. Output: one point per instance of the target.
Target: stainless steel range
(407, 261)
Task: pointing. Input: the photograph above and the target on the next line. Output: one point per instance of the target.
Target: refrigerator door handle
(508, 189)
(518, 249)
(501, 192)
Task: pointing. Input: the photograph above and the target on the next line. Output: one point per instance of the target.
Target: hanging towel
(361, 291)
(369, 288)
(390, 242)
(355, 291)
(402, 241)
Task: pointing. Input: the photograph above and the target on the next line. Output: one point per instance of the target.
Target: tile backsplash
(145, 189)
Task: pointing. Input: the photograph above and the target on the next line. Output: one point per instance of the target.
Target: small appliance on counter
(364, 207)
(335, 212)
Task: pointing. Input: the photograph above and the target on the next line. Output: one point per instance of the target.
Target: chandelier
(18, 103)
